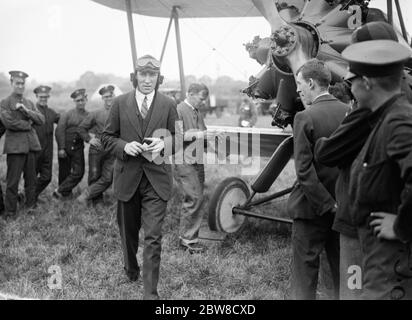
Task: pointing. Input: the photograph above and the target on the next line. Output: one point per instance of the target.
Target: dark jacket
(314, 192)
(67, 130)
(45, 131)
(125, 125)
(381, 176)
(20, 134)
(339, 150)
(93, 123)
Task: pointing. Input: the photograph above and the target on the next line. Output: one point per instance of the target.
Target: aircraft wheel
(230, 193)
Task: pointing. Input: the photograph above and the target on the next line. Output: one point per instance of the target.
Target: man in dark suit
(18, 115)
(312, 203)
(142, 183)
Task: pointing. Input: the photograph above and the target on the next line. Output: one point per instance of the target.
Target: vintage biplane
(300, 30)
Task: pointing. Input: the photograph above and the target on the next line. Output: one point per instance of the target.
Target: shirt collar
(321, 95)
(140, 96)
(187, 102)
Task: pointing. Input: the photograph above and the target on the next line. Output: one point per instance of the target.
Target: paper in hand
(149, 155)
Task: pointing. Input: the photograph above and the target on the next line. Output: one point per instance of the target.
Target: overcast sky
(58, 40)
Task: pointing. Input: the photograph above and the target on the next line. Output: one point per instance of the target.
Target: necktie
(144, 109)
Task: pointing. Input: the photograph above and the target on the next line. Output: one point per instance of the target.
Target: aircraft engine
(301, 30)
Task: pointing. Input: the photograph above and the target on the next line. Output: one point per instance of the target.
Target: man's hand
(96, 143)
(156, 145)
(21, 107)
(62, 154)
(383, 225)
(134, 148)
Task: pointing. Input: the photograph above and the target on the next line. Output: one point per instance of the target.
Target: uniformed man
(380, 185)
(100, 161)
(44, 158)
(18, 115)
(340, 150)
(2, 131)
(71, 146)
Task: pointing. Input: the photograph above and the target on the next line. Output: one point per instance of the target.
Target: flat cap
(377, 30)
(78, 92)
(147, 63)
(108, 88)
(375, 58)
(42, 89)
(18, 74)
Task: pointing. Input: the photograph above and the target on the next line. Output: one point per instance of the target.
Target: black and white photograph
(221, 152)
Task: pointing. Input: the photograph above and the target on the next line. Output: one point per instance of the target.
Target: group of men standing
(353, 195)
(29, 132)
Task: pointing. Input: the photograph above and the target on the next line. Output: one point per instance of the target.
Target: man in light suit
(142, 186)
(312, 204)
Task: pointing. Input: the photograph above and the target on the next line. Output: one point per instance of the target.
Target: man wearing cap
(141, 184)
(18, 115)
(339, 150)
(380, 185)
(312, 204)
(71, 146)
(2, 131)
(44, 158)
(100, 161)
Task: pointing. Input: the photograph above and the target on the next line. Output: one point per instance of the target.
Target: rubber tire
(218, 198)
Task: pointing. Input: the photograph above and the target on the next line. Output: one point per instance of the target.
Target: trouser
(101, 166)
(16, 165)
(148, 209)
(44, 167)
(71, 171)
(386, 266)
(309, 238)
(350, 261)
(191, 179)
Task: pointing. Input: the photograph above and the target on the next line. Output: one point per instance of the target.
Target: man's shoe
(82, 199)
(133, 276)
(10, 215)
(31, 209)
(21, 197)
(192, 247)
(151, 296)
(57, 195)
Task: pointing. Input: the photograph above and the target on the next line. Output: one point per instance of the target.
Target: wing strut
(131, 32)
(401, 21)
(179, 51)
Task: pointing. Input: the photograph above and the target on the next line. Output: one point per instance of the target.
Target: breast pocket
(375, 185)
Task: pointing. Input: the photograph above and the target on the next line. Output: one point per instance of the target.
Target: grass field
(84, 243)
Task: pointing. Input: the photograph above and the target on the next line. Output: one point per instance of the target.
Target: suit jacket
(124, 125)
(20, 134)
(314, 192)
